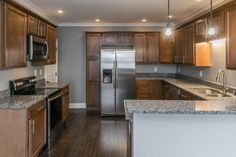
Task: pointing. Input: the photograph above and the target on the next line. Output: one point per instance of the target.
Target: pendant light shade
(168, 31)
(211, 29)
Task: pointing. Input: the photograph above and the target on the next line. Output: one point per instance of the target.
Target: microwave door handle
(47, 47)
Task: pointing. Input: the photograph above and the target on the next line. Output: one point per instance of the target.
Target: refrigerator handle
(114, 73)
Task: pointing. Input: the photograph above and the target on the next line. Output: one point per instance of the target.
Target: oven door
(37, 48)
(54, 118)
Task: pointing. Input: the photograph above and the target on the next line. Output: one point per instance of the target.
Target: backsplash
(209, 73)
(156, 68)
(11, 74)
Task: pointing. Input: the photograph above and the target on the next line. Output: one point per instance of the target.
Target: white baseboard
(77, 105)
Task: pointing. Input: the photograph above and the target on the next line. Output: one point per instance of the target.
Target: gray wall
(72, 57)
(219, 62)
(6, 75)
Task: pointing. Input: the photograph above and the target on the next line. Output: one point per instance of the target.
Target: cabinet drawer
(37, 108)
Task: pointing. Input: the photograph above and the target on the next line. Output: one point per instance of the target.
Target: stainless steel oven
(37, 48)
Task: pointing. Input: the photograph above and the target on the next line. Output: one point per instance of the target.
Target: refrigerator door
(125, 78)
(108, 82)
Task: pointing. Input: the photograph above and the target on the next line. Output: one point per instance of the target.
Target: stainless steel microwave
(37, 48)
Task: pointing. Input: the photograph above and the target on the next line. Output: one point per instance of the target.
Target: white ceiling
(120, 11)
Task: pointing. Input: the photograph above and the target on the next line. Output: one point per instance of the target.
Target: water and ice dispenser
(107, 75)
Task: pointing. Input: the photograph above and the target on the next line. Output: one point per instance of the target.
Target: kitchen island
(168, 128)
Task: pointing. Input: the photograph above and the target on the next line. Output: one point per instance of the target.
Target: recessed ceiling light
(97, 20)
(60, 11)
(170, 16)
(144, 20)
(198, 0)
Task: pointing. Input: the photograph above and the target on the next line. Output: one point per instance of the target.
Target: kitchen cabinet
(109, 38)
(179, 46)
(158, 90)
(218, 21)
(93, 71)
(201, 30)
(166, 50)
(42, 29)
(13, 37)
(37, 128)
(231, 38)
(152, 53)
(189, 33)
(170, 92)
(32, 25)
(93, 96)
(124, 38)
(144, 89)
(140, 47)
(23, 131)
(65, 104)
(51, 39)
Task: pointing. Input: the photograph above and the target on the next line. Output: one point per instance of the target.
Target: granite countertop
(53, 85)
(20, 102)
(179, 107)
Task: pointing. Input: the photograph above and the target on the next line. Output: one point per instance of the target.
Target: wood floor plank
(89, 135)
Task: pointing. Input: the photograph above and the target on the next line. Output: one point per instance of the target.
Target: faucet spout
(221, 71)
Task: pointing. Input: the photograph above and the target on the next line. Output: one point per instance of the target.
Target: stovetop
(37, 91)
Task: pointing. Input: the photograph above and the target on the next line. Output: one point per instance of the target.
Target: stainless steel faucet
(221, 71)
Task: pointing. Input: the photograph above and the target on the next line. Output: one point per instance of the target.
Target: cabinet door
(144, 89)
(152, 47)
(231, 38)
(166, 50)
(51, 38)
(65, 108)
(15, 37)
(93, 70)
(93, 45)
(158, 90)
(93, 96)
(37, 129)
(42, 29)
(109, 39)
(189, 44)
(140, 47)
(179, 46)
(218, 21)
(32, 25)
(124, 39)
(200, 34)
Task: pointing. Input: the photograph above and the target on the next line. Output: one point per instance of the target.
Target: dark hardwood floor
(89, 135)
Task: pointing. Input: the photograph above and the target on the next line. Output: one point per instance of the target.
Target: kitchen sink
(210, 92)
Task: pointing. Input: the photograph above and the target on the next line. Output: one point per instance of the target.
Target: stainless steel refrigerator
(117, 80)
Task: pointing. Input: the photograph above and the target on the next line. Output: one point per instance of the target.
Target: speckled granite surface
(53, 85)
(20, 102)
(179, 107)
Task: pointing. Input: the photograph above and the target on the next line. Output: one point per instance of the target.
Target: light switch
(179, 70)
(200, 73)
(40, 72)
(155, 69)
(35, 72)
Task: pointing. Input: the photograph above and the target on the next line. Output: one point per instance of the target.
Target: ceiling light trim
(35, 9)
(112, 24)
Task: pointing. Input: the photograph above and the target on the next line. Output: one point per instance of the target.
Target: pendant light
(211, 30)
(168, 32)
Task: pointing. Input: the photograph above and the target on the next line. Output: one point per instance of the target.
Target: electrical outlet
(179, 70)
(155, 69)
(200, 73)
(40, 72)
(35, 72)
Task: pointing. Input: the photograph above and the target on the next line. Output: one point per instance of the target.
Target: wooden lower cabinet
(170, 92)
(66, 103)
(93, 96)
(23, 132)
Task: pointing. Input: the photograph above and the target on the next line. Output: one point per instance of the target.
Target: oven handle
(55, 97)
(47, 48)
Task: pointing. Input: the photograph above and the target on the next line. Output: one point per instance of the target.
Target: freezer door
(107, 82)
(125, 78)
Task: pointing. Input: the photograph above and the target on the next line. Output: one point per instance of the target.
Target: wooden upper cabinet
(140, 47)
(124, 38)
(166, 50)
(152, 47)
(15, 35)
(93, 45)
(42, 29)
(201, 30)
(51, 38)
(231, 38)
(109, 38)
(218, 21)
(32, 25)
(189, 44)
(179, 46)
